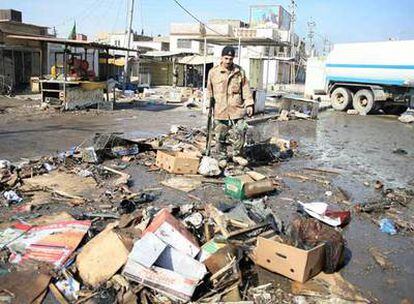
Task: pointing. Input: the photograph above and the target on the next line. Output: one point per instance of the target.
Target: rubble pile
(392, 207)
(108, 244)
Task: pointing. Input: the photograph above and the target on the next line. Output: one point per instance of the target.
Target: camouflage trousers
(229, 133)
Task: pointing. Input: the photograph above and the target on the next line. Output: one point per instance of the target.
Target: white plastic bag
(209, 167)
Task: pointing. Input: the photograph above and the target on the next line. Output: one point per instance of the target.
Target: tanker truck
(365, 76)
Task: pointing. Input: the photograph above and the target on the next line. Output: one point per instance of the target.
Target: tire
(341, 99)
(364, 102)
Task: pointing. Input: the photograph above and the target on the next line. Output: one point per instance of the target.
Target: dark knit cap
(228, 51)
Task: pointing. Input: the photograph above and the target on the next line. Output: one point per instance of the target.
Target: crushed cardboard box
(101, 257)
(158, 265)
(177, 162)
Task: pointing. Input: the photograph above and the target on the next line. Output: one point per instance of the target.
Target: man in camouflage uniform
(228, 84)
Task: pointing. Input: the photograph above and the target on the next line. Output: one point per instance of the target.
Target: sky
(340, 21)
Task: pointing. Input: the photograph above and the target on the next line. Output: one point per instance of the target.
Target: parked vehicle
(365, 76)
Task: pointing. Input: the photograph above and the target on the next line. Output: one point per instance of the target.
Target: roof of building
(165, 54)
(22, 23)
(70, 42)
(244, 41)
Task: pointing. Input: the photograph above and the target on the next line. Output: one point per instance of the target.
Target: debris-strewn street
(77, 201)
(213, 151)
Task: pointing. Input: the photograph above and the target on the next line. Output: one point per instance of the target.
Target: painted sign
(269, 16)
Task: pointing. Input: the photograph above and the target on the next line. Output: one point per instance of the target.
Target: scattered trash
(98, 261)
(89, 155)
(308, 233)
(329, 288)
(388, 226)
(209, 167)
(407, 116)
(400, 151)
(51, 242)
(328, 193)
(352, 112)
(294, 263)
(115, 247)
(177, 162)
(245, 186)
(322, 212)
(49, 167)
(195, 219)
(25, 286)
(69, 287)
(378, 185)
(5, 164)
(163, 259)
(379, 258)
(185, 184)
(171, 231)
(12, 197)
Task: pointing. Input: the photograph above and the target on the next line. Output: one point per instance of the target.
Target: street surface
(361, 148)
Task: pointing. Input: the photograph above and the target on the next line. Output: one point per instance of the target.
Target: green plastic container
(234, 187)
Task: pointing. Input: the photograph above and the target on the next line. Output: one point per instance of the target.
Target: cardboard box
(177, 162)
(157, 265)
(173, 232)
(245, 186)
(166, 281)
(294, 263)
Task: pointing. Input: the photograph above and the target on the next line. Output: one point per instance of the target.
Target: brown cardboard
(294, 263)
(177, 162)
(101, 257)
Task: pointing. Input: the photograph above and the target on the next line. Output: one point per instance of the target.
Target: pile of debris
(113, 245)
(392, 210)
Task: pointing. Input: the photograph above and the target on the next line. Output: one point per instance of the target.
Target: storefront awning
(196, 60)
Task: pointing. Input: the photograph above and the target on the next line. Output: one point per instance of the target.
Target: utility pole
(293, 7)
(311, 35)
(326, 46)
(129, 32)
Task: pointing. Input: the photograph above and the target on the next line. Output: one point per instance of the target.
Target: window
(183, 43)
(210, 49)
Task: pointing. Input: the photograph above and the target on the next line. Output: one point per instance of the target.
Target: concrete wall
(195, 46)
(21, 59)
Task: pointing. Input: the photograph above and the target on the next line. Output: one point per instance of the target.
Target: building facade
(268, 48)
(19, 59)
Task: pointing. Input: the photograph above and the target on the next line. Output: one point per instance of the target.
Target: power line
(81, 15)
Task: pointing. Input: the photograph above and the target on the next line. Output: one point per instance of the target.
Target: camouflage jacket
(231, 91)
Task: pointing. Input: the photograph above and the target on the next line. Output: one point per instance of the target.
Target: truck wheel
(364, 102)
(341, 99)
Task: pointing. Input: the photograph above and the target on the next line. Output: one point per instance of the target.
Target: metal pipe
(107, 75)
(204, 64)
(239, 50)
(131, 16)
(64, 75)
(267, 69)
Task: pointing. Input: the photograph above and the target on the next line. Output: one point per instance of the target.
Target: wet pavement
(37, 136)
(360, 147)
